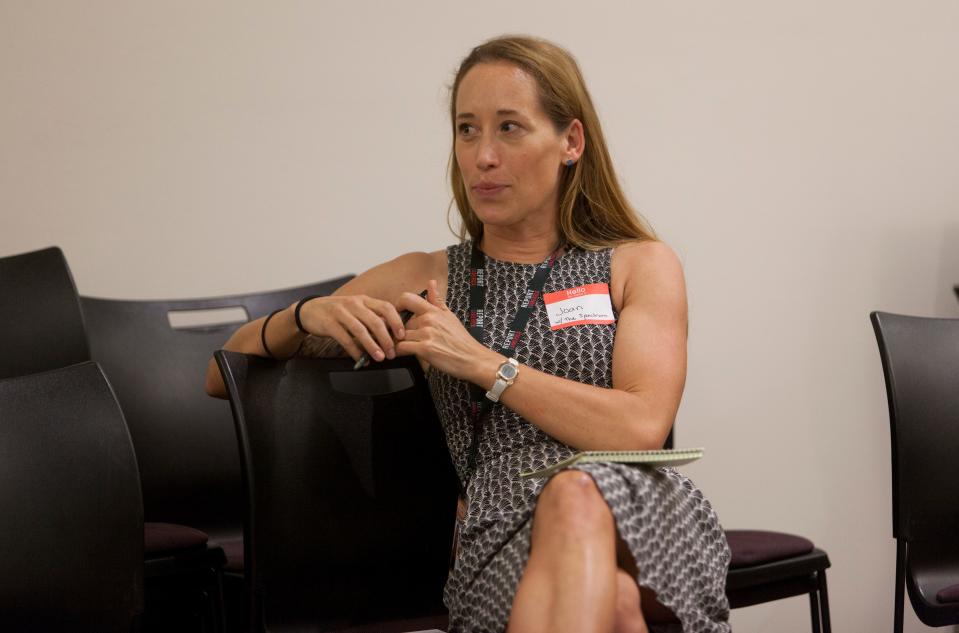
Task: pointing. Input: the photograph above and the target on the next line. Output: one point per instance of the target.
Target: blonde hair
(593, 210)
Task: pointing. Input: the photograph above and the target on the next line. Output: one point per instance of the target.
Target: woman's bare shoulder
(646, 267)
(422, 266)
(409, 272)
(418, 262)
(646, 252)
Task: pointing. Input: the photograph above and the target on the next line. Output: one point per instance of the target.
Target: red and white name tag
(581, 305)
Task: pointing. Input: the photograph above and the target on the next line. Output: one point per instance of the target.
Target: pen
(404, 316)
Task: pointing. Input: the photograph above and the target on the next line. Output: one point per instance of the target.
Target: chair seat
(766, 566)
(170, 537)
(182, 571)
(756, 547)
(948, 594)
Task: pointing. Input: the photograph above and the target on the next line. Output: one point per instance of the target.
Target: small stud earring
(569, 162)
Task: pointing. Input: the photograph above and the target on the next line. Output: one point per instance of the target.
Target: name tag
(582, 305)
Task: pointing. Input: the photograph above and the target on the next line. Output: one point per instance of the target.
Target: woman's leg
(570, 580)
(651, 609)
(629, 616)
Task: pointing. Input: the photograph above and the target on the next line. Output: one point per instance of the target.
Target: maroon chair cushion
(233, 548)
(949, 594)
(169, 537)
(755, 547)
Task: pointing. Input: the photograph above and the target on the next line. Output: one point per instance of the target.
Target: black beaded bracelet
(296, 312)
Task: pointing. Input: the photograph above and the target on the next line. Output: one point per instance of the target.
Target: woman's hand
(436, 336)
(357, 322)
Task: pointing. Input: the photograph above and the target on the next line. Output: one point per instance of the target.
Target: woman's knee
(571, 499)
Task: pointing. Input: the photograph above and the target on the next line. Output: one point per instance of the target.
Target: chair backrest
(185, 442)
(41, 326)
(920, 362)
(350, 487)
(71, 537)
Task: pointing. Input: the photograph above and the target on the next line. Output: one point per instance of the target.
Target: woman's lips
(488, 191)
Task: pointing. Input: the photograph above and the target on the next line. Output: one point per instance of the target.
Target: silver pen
(405, 316)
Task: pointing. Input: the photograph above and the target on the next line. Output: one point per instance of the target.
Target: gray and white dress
(671, 530)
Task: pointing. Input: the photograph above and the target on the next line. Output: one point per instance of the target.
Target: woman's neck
(524, 246)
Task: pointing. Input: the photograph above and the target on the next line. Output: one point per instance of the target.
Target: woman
(601, 351)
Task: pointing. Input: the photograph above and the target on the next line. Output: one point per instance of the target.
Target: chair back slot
(205, 319)
(371, 382)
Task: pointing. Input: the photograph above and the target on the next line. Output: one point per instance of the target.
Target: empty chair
(71, 538)
(185, 442)
(920, 362)
(41, 326)
(351, 494)
(767, 566)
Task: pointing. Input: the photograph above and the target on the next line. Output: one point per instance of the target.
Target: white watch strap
(497, 389)
(501, 384)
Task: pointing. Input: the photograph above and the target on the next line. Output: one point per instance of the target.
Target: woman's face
(507, 149)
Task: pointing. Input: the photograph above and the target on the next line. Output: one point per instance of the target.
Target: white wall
(801, 157)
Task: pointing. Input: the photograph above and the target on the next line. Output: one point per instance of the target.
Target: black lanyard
(479, 403)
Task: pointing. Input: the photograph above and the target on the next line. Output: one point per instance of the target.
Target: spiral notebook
(666, 457)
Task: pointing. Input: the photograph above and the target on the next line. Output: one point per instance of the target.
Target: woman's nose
(487, 155)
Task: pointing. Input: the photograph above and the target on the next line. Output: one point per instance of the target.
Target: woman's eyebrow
(470, 115)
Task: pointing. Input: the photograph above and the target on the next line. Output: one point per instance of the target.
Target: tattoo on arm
(321, 347)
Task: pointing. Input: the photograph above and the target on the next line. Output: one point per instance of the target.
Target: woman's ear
(575, 141)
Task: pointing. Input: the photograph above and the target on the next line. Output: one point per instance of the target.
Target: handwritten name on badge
(582, 305)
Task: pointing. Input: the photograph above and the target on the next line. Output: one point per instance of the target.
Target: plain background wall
(802, 159)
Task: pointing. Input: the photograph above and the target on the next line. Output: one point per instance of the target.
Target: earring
(569, 162)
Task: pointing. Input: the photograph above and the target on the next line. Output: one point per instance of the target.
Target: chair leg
(900, 585)
(220, 603)
(814, 610)
(824, 603)
(214, 615)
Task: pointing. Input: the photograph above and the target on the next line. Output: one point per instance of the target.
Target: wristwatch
(505, 376)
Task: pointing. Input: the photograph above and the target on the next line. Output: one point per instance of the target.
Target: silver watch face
(507, 371)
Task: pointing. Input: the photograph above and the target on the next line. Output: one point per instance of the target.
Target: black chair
(156, 354)
(351, 494)
(41, 326)
(766, 566)
(920, 362)
(185, 442)
(41, 329)
(71, 538)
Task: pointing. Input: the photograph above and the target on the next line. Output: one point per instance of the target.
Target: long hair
(593, 210)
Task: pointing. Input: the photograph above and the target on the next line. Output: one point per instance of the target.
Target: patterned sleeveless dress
(671, 530)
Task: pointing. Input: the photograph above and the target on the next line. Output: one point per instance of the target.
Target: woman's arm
(649, 360)
(360, 316)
